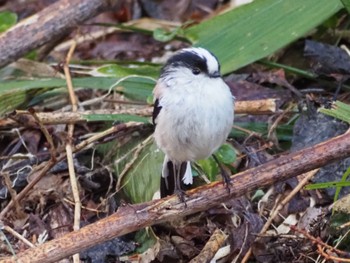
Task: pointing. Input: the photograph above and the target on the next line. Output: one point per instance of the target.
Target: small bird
(193, 115)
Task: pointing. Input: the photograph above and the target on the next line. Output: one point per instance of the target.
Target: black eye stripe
(187, 59)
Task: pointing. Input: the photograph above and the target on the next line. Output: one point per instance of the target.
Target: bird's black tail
(167, 181)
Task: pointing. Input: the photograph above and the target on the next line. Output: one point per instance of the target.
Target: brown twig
(101, 135)
(41, 28)
(40, 170)
(280, 206)
(241, 107)
(128, 166)
(69, 148)
(216, 240)
(321, 245)
(130, 218)
(274, 125)
(329, 257)
(81, 116)
(20, 237)
(46, 133)
(255, 107)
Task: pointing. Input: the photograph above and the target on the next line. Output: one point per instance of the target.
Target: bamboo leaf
(16, 94)
(339, 110)
(255, 30)
(346, 4)
(115, 117)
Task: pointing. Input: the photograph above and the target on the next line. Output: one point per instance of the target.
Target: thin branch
(43, 168)
(266, 106)
(69, 151)
(17, 235)
(46, 133)
(128, 166)
(280, 206)
(214, 243)
(53, 21)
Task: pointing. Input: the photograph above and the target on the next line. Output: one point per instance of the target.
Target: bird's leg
(340, 84)
(224, 174)
(178, 176)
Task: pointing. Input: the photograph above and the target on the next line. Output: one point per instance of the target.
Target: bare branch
(130, 218)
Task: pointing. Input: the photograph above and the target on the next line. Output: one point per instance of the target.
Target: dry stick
(130, 218)
(75, 191)
(128, 166)
(256, 106)
(321, 245)
(214, 243)
(39, 29)
(44, 167)
(13, 194)
(278, 120)
(69, 151)
(81, 116)
(46, 133)
(241, 107)
(329, 257)
(280, 206)
(246, 233)
(17, 235)
(105, 133)
(9, 186)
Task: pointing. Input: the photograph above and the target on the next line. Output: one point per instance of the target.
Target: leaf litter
(47, 210)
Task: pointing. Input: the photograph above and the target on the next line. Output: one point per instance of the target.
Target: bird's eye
(196, 71)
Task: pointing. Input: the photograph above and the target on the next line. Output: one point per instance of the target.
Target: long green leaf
(339, 110)
(115, 117)
(346, 4)
(327, 185)
(15, 94)
(142, 180)
(253, 31)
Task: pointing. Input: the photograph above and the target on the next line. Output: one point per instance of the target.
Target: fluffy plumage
(193, 113)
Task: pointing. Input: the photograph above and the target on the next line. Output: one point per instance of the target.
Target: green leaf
(226, 154)
(146, 239)
(339, 110)
(7, 20)
(339, 219)
(143, 179)
(327, 185)
(343, 180)
(115, 117)
(346, 4)
(21, 93)
(115, 70)
(18, 99)
(256, 30)
(209, 167)
(162, 35)
(284, 131)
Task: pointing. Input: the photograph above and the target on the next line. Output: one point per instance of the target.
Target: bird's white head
(192, 62)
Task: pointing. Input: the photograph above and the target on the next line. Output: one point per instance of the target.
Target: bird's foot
(225, 176)
(181, 194)
(227, 180)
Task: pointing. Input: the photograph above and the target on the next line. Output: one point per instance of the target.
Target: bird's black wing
(156, 111)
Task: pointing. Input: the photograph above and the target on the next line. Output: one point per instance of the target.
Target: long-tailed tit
(193, 114)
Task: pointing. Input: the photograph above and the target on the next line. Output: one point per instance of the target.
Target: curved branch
(48, 24)
(130, 218)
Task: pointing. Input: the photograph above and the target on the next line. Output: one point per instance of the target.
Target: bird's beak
(216, 74)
